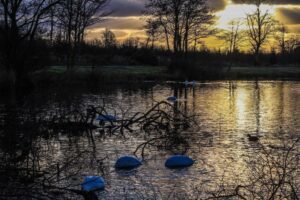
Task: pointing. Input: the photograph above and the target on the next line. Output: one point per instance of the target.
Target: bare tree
(108, 39)
(260, 27)
(281, 38)
(152, 32)
(197, 21)
(52, 21)
(179, 20)
(21, 21)
(75, 16)
(166, 13)
(159, 20)
(292, 43)
(233, 36)
(132, 42)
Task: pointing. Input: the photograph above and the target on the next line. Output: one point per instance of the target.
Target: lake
(225, 113)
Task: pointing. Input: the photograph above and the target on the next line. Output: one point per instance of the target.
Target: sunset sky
(127, 19)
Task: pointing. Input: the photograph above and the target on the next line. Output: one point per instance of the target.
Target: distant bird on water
(173, 98)
(187, 83)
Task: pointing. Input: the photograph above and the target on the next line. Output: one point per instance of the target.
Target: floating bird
(127, 163)
(253, 138)
(173, 98)
(179, 161)
(106, 118)
(186, 83)
(193, 83)
(93, 183)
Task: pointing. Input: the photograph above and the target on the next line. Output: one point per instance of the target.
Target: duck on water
(253, 138)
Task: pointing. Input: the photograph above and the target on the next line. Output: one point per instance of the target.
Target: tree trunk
(12, 79)
(186, 38)
(167, 38)
(257, 56)
(176, 32)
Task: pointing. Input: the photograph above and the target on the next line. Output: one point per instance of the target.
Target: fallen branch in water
(164, 124)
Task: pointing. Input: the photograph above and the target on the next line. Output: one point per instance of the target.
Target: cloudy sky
(127, 18)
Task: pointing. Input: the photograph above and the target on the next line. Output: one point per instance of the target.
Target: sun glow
(239, 12)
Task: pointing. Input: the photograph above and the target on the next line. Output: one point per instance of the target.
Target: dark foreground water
(225, 112)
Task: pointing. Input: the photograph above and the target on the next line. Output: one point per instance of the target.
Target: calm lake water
(226, 112)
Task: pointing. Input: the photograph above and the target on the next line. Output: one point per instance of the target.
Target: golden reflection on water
(230, 111)
(249, 107)
(241, 105)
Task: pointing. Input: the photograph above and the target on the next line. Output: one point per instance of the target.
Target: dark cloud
(288, 15)
(284, 2)
(135, 7)
(217, 5)
(279, 2)
(126, 7)
(123, 8)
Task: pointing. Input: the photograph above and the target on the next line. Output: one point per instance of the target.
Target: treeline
(28, 28)
(134, 51)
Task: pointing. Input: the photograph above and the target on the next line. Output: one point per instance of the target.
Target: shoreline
(96, 76)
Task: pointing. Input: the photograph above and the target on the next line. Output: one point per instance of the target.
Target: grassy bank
(161, 73)
(104, 73)
(110, 70)
(263, 72)
(93, 76)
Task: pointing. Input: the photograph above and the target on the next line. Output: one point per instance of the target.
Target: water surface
(226, 112)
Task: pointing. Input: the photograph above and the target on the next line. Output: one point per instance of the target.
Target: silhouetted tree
(152, 31)
(75, 16)
(108, 39)
(132, 42)
(203, 31)
(197, 20)
(281, 38)
(52, 21)
(292, 43)
(179, 20)
(21, 22)
(233, 36)
(260, 27)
